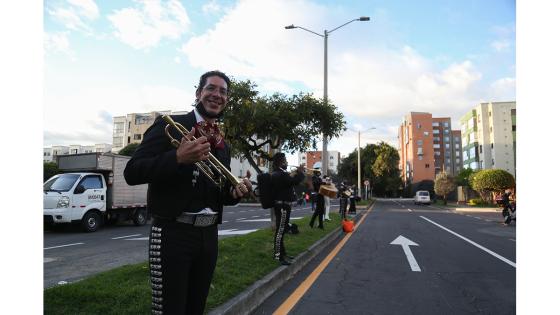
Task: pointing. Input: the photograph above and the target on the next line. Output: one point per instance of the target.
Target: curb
(248, 300)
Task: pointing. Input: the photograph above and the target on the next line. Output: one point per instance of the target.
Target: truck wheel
(140, 216)
(91, 221)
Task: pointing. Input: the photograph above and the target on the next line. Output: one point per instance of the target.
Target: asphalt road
(464, 263)
(71, 255)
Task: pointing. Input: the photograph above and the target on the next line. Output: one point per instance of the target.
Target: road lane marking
(116, 238)
(73, 244)
(409, 210)
(145, 238)
(507, 261)
(406, 243)
(511, 239)
(298, 293)
(477, 218)
(234, 232)
(255, 216)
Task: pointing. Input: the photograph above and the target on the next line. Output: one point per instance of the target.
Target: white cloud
(177, 60)
(501, 45)
(211, 7)
(94, 104)
(72, 16)
(58, 43)
(150, 21)
(503, 89)
(371, 84)
(87, 8)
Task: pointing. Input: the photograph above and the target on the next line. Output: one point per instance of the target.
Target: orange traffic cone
(347, 226)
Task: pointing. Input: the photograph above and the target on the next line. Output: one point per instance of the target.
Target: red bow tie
(211, 132)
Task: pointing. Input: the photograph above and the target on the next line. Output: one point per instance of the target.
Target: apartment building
(427, 146)
(49, 154)
(489, 137)
(312, 159)
(131, 127)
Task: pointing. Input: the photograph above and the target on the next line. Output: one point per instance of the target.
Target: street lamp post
(325, 35)
(359, 164)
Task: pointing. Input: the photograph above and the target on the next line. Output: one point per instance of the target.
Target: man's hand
(243, 189)
(189, 152)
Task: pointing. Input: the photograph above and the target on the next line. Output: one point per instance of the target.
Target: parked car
(422, 197)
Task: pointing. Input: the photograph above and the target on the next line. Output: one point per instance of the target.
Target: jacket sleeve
(284, 180)
(155, 159)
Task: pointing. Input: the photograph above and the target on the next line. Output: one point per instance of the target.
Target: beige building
(49, 154)
(489, 140)
(130, 128)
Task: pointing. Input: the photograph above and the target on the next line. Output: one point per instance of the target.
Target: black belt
(198, 220)
(282, 202)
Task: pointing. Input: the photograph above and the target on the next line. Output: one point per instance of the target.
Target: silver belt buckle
(203, 220)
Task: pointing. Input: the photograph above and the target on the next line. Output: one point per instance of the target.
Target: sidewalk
(253, 296)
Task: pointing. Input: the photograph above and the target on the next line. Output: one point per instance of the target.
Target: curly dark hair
(277, 160)
(205, 76)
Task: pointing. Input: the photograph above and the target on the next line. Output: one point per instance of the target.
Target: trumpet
(308, 171)
(216, 172)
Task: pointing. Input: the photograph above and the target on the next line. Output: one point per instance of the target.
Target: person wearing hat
(284, 194)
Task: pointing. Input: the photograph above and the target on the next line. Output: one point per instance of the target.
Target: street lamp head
(289, 27)
(364, 18)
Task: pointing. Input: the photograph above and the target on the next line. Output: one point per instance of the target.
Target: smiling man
(186, 205)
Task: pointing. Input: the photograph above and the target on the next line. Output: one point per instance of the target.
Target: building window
(472, 138)
(472, 152)
(490, 128)
(437, 153)
(420, 157)
(137, 136)
(447, 145)
(420, 151)
(446, 124)
(436, 139)
(492, 162)
(457, 161)
(436, 146)
(513, 128)
(435, 124)
(457, 146)
(446, 131)
(489, 114)
(436, 131)
(492, 145)
(420, 142)
(445, 139)
(457, 154)
(480, 148)
(427, 133)
(427, 165)
(332, 158)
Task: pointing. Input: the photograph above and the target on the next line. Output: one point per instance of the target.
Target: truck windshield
(61, 183)
(423, 193)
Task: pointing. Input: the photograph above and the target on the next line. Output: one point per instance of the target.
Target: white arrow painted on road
(406, 243)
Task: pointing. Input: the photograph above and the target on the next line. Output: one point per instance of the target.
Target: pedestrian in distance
(186, 205)
(326, 216)
(283, 184)
(320, 202)
(507, 210)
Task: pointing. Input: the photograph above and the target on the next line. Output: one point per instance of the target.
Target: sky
(109, 58)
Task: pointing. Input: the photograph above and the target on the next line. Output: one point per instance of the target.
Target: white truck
(92, 190)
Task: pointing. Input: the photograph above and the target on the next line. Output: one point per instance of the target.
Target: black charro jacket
(283, 184)
(172, 187)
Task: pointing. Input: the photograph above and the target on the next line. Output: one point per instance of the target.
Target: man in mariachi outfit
(284, 194)
(317, 181)
(185, 204)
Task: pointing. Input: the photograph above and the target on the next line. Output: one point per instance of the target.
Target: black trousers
(282, 217)
(182, 260)
(343, 206)
(319, 211)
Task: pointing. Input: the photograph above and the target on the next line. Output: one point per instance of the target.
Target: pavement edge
(248, 300)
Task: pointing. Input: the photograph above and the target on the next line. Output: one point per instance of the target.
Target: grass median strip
(242, 260)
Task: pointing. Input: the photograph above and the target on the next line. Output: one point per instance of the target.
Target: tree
(254, 124)
(444, 184)
(379, 164)
(386, 169)
(129, 149)
(49, 170)
(462, 178)
(487, 181)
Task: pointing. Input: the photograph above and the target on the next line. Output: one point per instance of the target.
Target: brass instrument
(212, 168)
(308, 171)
